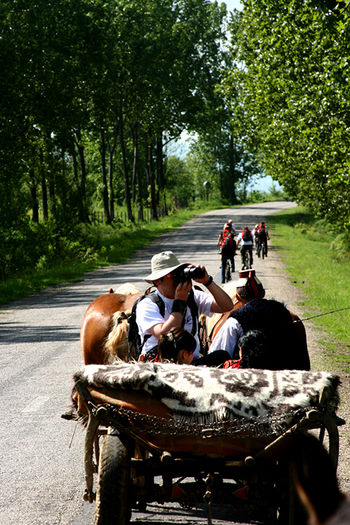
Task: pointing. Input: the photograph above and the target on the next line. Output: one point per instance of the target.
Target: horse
(103, 334)
(212, 326)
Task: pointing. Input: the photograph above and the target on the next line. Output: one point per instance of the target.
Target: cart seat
(205, 410)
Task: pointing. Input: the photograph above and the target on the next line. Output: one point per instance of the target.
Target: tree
(290, 81)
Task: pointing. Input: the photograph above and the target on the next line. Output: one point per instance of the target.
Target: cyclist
(230, 226)
(263, 235)
(245, 241)
(228, 250)
(256, 239)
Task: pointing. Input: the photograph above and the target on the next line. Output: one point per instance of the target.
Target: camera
(186, 274)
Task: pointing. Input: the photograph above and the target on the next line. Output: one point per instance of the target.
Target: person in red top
(263, 235)
(228, 250)
(245, 241)
(230, 226)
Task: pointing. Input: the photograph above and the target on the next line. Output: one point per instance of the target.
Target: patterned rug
(214, 395)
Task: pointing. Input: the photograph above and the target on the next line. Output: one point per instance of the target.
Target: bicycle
(228, 275)
(246, 263)
(263, 249)
(258, 246)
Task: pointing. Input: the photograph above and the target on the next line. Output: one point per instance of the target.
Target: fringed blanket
(213, 395)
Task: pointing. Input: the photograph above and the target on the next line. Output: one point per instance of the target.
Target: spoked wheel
(246, 261)
(258, 248)
(329, 438)
(228, 276)
(113, 483)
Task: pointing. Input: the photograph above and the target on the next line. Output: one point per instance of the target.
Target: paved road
(42, 478)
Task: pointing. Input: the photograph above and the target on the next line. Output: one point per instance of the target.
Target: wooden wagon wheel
(113, 484)
(330, 425)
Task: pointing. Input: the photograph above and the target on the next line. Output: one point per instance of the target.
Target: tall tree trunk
(83, 173)
(110, 184)
(43, 187)
(136, 172)
(125, 171)
(104, 177)
(111, 150)
(34, 196)
(52, 195)
(160, 167)
(77, 184)
(232, 163)
(151, 177)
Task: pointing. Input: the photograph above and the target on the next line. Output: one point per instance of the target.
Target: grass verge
(325, 280)
(111, 245)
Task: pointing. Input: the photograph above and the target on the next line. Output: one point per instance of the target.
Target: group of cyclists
(246, 239)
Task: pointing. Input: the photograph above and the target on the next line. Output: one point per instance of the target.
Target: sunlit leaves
(293, 86)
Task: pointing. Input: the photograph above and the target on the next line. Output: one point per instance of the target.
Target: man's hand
(182, 290)
(205, 277)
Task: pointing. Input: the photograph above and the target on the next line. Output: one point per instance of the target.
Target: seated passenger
(275, 322)
(177, 346)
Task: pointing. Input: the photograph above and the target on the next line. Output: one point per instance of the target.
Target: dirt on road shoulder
(275, 278)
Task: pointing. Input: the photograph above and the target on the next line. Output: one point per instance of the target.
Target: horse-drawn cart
(175, 433)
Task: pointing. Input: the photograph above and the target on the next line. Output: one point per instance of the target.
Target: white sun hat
(162, 264)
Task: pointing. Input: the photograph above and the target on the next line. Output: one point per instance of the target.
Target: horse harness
(220, 323)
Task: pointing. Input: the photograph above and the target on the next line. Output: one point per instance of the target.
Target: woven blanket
(215, 394)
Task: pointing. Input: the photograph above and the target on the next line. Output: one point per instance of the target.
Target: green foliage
(55, 259)
(341, 247)
(289, 94)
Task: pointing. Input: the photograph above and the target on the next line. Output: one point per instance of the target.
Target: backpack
(228, 243)
(246, 235)
(134, 338)
(262, 228)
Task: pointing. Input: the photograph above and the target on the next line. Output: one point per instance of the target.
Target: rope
(320, 315)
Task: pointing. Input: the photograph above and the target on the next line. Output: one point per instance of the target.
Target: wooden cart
(165, 433)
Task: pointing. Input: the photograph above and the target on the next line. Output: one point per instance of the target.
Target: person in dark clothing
(284, 349)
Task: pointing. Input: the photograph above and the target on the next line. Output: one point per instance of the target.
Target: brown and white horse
(103, 334)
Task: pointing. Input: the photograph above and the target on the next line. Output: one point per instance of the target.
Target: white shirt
(245, 243)
(227, 336)
(148, 315)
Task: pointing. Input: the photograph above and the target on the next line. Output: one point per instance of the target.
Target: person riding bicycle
(228, 250)
(231, 227)
(245, 241)
(263, 236)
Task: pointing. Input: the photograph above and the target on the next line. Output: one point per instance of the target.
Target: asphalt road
(42, 475)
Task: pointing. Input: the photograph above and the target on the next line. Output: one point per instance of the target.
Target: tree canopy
(288, 89)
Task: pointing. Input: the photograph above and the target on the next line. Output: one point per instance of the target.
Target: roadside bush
(341, 246)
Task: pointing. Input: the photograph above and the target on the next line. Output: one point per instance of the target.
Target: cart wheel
(332, 443)
(112, 500)
(290, 510)
(228, 272)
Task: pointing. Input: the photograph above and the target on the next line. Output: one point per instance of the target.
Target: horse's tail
(116, 344)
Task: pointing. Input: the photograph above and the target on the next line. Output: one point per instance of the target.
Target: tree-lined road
(42, 455)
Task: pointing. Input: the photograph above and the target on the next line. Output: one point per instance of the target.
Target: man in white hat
(182, 304)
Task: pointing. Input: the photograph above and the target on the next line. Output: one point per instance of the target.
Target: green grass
(113, 244)
(325, 280)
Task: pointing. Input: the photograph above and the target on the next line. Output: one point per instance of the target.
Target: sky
(233, 4)
(181, 148)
